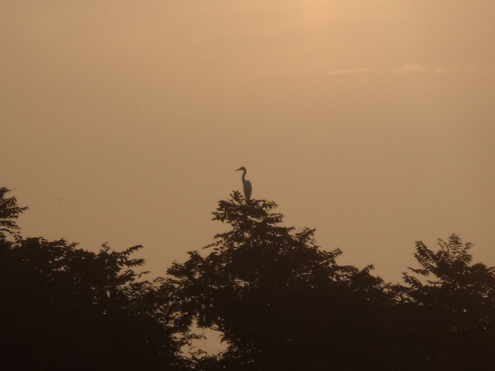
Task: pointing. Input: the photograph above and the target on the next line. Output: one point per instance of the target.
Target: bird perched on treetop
(248, 188)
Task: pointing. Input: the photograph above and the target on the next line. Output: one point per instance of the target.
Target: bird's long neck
(244, 176)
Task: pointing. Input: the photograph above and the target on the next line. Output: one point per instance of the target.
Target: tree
(9, 212)
(451, 314)
(280, 301)
(65, 308)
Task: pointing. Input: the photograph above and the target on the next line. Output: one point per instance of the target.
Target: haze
(371, 121)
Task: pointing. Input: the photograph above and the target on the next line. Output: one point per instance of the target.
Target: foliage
(65, 308)
(9, 211)
(280, 301)
(452, 312)
(283, 303)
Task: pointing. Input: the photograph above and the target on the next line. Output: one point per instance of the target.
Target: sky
(122, 121)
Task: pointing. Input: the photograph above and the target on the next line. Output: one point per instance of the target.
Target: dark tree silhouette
(65, 308)
(283, 303)
(450, 303)
(280, 301)
(9, 212)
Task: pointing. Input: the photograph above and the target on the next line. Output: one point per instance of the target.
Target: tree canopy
(66, 308)
(9, 212)
(280, 301)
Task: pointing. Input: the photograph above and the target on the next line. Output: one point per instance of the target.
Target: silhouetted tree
(65, 308)
(280, 301)
(9, 212)
(449, 309)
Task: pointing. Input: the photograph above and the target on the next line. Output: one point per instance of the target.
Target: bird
(248, 188)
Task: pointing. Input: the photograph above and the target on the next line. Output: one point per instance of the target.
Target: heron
(248, 188)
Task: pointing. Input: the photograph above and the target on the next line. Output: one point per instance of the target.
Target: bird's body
(248, 188)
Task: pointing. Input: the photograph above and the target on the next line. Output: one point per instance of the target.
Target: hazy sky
(372, 121)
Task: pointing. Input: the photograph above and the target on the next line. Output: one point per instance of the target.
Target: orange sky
(372, 121)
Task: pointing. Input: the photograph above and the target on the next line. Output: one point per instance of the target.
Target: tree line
(278, 299)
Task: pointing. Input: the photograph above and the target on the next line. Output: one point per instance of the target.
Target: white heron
(248, 188)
